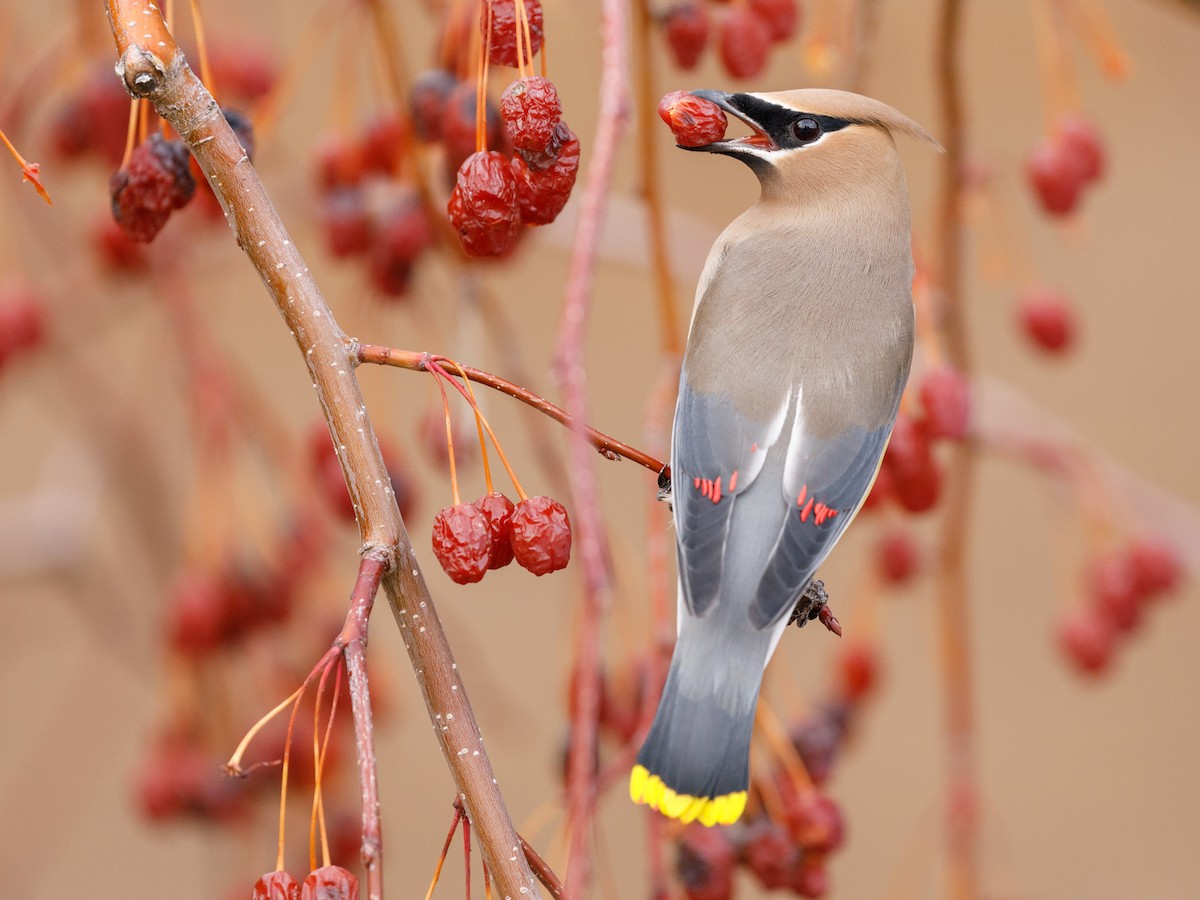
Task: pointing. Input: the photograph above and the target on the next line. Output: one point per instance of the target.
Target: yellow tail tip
(650, 790)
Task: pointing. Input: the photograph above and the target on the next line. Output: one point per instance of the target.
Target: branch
(153, 68)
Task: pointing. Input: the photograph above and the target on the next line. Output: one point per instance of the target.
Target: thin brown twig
(418, 361)
(153, 68)
(543, 871)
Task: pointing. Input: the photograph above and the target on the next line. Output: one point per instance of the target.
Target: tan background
(1089, 790)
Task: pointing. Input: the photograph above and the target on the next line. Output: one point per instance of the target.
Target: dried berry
(946, 399)
(542, 193)
(810, 880)
(530, 110)
(541, 535)
(694, 121)
(346, 222)
(178, 779)
(686, 27)
(427, 100)
(458, 125)
(277, 886)
(780, 16)
(770, 854)
(154, 182)
(858, 670)
(484, 205)
(744, 42)
(329, 883)
(22, 321)
(818, 739)
(497, 510)
(1156, 564)
(502, 45)
(705, 863)
(340, 162)
(114, 247)
(383, 144)
(246, 71)
(897, 556)
(1047, 319)
(94, 119)
(1087, 640)
(816, 822)
(403, 234)
(462, 542)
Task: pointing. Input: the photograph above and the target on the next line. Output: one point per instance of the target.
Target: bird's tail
(695, 762)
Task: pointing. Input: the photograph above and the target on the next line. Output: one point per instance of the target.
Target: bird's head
(805, 139)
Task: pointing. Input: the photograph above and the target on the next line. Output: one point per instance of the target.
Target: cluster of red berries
(325, 883)
(471, 538)
(694, 121)
(1121, 585)
(1064, 163)
(22, 322)
(910, 474)
(1047, 319)
(746, 32)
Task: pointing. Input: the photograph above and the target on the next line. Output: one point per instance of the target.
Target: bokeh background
(1088, 785)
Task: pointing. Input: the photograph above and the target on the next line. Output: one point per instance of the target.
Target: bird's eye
(806, 130)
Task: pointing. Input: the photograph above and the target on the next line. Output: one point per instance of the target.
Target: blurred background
(164, 459)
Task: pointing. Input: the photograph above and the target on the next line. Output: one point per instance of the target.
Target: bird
(799, 348)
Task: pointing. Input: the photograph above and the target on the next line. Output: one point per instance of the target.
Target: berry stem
(206, 75)
(319, 748)
(781, 745)
(449, 437)
(1100, 38)
(521, 42)
(466, 828)
(485, 51)
(437, 872)
(522, 27)
(131, 132)
(28, 170)
(487, 466)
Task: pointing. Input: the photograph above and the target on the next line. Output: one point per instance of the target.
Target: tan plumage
(799, 349)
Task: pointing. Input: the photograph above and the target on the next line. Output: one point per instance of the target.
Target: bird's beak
(759, 140)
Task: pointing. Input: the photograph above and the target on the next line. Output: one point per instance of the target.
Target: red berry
(177, 779)
(22, 321)
(1055, 175)
(243, 70)
(340, 162)
(818, 739)
(1080, 141)
(1156, 565)
(897, 556)
(817, 823)
(1087, 640)
(946, 399)
(200, 614)
(1115, 590)
(502, 48)
(914, 473)
(497, 510)
(541, 535)
(329, 883)
(94, 119)
(403, 234)
(462, 542)
(1047, 319)
(694, 121)
(383, 144)
(484, 205)
(458, 125)
(858, 670)
(114, 247)
(744, 42)
(155, 181)
(543, 192)
(346, 222)
(810, 880)
(780, 16)
(705, 863)
(770, 854)
(530, 110)
(277, 886)
(686, 29)
(427, 101)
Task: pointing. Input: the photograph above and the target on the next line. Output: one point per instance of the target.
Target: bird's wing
(825, 480)
(717, 453)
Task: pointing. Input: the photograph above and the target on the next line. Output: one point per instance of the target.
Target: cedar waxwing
(798, 352)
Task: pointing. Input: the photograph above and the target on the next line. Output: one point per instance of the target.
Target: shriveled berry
(497, 510)
(1055, 176)
(694, 121)
(744, 42)
(541, 535)
(346, 222)
(458, 125)
(818, 739)
(1156, 565)
(810, 879)
(340, 162)
(403, 233)
(780, 16)
(542, 193)
(244, 70)
(114, 247)
(817, 823)
(858, 670)
(484, 205)
(383, 143)
(502, 46)
(462, 542)
(1087, 640)
(685, 27)
(177, 778)
(705, 863)
(427, 100)
(200, 614)
(897, 556)
(277, 886)
(1081, 141)
(946, 399)
(770, 854)
(1047, 319)
(94, 119)
(329, 883)
(154, 182)
(530, 110)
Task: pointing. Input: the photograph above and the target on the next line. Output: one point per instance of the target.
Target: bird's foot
(813, 605)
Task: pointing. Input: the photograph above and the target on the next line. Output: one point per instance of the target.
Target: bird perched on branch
(799, 349)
